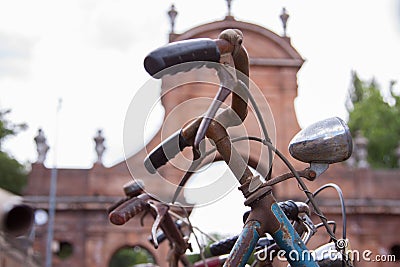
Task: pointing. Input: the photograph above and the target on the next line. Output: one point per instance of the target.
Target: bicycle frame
(265, 216)
(286, 238)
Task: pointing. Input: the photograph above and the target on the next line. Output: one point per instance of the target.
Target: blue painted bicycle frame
(285, 237)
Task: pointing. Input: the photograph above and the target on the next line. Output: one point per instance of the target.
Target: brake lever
(142, 218)
(164, 221)
(311, 229)
(160, 211)
(228, 81)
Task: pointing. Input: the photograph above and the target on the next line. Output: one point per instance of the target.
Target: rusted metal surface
(162, 219)
(229, 42)
(170, 229)
(307, 173)
(244, 246)
(290, 242)
(227, 76)
(241, 60)
(127, 210)
(231, 156)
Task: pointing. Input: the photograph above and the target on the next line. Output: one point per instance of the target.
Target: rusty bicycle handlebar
(131, 207)
(128, 209)
(157, 63)
(265, 216)
(198, 51)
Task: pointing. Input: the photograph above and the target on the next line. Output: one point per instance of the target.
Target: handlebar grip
(290, 209)
(165, 151)
(223, 246)
(195, 50)
(127, 210)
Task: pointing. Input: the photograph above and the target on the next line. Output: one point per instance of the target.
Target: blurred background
(70, 69)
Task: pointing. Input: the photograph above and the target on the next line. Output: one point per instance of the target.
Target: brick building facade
(372, 196)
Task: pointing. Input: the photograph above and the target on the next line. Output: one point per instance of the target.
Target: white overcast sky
(90, 54)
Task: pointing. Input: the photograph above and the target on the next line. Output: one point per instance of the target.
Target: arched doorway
(129, 256)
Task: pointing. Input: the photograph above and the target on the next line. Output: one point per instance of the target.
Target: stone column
(360, 150)
(100, 148)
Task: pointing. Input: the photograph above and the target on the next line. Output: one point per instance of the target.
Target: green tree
(377, 118)
(12, 173)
